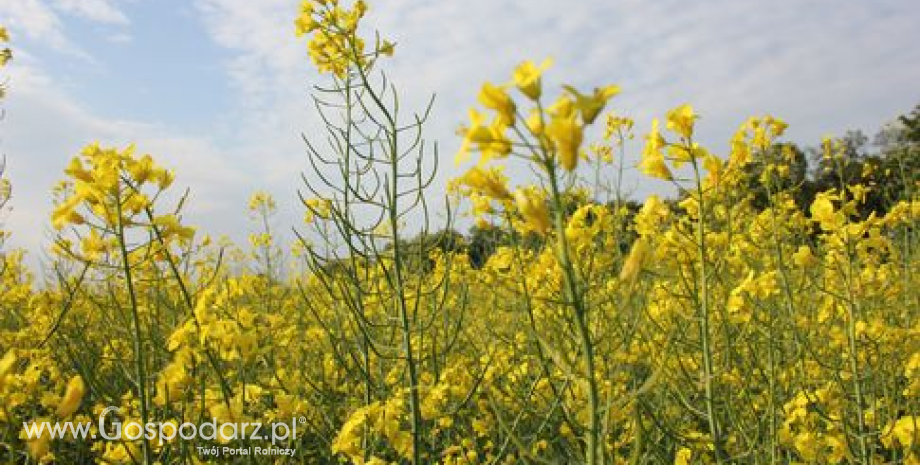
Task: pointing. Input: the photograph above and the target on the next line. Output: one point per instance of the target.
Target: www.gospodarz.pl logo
(163, 431)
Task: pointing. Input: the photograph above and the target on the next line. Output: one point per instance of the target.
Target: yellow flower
(40, 447)
(713, 165)
(164, 179)
(387, 48)
(5, 54)
(591, 106)
(653, 213)
(679, 154)
(475, 132)
(317, 208)
(567, 134)
(305, 23)
(93, 245)
(66, 213)
(532, 205)
(777, 125)
(527, 78)
(495, 98)
(633, 264)
(142, 169)
(563, 107)
(262, 201)
(490, 140)
(803, 257)
(169, 226)
(765, 130)
(681, 120)
(534, 122)
(905, 431)
(683, 456)
(481, 206)
(618, 125)
(822, 211)
(653, 163)
(497, 145)
(806, 443)
(75, 170)
(838, 449)
(740, 150)
(488, 182)
(6, 365)
(655, 166)
(335, 46)
(72, 397)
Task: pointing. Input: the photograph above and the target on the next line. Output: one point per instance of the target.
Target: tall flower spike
(335, 46)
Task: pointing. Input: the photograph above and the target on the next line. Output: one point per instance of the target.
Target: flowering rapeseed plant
(731, 325)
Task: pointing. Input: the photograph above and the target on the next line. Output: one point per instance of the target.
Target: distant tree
(795, 180)
(911, 123)
(420, 247)
(889, 166)
(483, 242)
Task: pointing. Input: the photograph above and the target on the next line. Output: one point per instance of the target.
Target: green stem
(852, 315)
(708, 385)
(139, 359)
(581, 318)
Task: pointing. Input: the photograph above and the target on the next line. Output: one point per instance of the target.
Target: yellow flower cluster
(555, 134)
(335, 46)
(108, 193)
(547, 138)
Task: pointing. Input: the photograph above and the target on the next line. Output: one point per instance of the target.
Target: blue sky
(218, 89)
(162, 67)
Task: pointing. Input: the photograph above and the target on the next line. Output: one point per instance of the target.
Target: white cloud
(261, 34)
(36, 20)
(102, 11)
(43, 21)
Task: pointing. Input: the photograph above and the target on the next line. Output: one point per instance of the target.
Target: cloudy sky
(219, 89)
